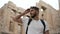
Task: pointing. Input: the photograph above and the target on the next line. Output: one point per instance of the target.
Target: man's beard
(33, 16)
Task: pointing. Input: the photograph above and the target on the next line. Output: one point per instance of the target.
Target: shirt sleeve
(47, 27)
(24, 19)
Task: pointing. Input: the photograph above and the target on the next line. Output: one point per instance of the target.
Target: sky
(27, 3)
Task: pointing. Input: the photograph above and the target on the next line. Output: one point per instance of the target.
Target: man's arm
(18, 17)
(47, 32)
(47, 27)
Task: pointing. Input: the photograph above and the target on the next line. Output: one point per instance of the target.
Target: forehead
(32, 9)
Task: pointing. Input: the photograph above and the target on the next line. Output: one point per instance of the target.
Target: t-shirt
(35, 27)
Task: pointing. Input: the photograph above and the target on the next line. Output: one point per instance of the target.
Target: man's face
(32, 12)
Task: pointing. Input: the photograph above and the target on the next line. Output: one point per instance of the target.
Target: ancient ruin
(47, 12)
(50, 15)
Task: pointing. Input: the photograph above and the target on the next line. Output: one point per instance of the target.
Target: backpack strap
(28, 25)
(43, 25)
(29, 21)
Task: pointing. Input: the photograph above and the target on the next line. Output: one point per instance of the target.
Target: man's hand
(25, 12)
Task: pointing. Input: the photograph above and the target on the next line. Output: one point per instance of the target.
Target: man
(35, 26)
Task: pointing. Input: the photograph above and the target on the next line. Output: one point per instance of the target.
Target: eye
(32, 10)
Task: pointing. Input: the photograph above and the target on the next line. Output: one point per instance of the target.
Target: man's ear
(37, 12)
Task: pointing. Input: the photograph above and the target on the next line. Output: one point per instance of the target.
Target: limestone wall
(50, 15)
(7, 25)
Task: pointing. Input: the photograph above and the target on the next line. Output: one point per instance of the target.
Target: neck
(36, 17)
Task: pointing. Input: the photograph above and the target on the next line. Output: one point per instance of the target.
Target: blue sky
(27, 3)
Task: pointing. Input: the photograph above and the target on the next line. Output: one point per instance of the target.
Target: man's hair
(35, 8)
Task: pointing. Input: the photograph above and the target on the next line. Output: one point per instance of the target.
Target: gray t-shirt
(35, 27)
